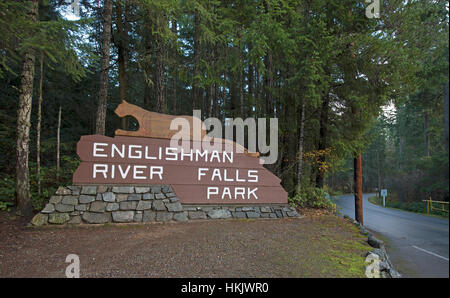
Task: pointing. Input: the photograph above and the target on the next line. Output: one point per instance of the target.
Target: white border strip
(431, 253)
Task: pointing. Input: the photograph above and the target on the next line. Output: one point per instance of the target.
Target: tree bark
(58, 144)
(241, 77)
(195, 87)
(159, 78)
(250, 89)
(323, 138)
(300, 147)
(211, 100)
(100, 126)
(378, 173)
(38, 126)
(426, 133)
(357, 176)
(358, 189)
(122, 55)
(175, 67)
(148, 40)
(446, 115)
(22, 198)
(147, 96)
(258, 95)
(357, 172)
(268, 79)
(268, 84)
(216, 100)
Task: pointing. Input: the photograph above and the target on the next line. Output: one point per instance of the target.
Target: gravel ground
(313, 246)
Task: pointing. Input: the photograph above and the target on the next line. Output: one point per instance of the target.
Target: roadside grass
(415, 207)
(331, 247)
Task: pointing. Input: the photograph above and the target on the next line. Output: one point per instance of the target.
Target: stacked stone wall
(99, 204)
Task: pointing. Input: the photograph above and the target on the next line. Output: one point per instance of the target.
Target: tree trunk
(104, 74)
(23, 202)
(175, 67)
(216, 100)
(38, 127)
(147, 96)
(148, 40)
(250, 89)
(195, 88)
(358, 189)
(241, 78)
(300, 147)
(159, 78)
(446, 115)
(268, 79)
(122, 34)
(378, 173)
(426, 133)
(211, 100)
(241, 95)
(357, 177)
(258, 95)
(323, 138)
(357, 172)
(58, 143)
(268, 84)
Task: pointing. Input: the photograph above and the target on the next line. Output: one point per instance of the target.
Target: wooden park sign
(198, 176)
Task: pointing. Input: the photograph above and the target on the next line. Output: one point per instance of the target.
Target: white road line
(431, 253)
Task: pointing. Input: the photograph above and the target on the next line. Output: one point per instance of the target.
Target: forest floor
(316, 245)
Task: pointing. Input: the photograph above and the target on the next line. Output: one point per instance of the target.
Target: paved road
(418, 244)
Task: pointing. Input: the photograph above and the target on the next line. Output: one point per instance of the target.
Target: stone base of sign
(99, 204)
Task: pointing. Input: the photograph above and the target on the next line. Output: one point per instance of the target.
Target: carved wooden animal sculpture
(151, 124)
(156, 125)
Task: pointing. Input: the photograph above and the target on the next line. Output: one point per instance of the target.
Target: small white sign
(384, 195)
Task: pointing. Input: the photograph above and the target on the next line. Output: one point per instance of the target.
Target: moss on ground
(332, 247)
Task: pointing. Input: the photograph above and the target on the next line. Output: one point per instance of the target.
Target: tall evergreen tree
(100, 123)
(23, 123)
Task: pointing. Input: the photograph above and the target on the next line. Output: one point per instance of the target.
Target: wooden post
(358, 189)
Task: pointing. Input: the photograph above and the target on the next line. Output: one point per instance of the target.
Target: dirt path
(312, 246)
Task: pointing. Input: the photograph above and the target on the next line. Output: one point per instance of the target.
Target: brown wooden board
(125, 173)
(152, 149)
(238, 178)
(193, 194)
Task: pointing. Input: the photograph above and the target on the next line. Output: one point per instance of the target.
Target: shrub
(314, 198)
(48, 183)
(7, 189)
